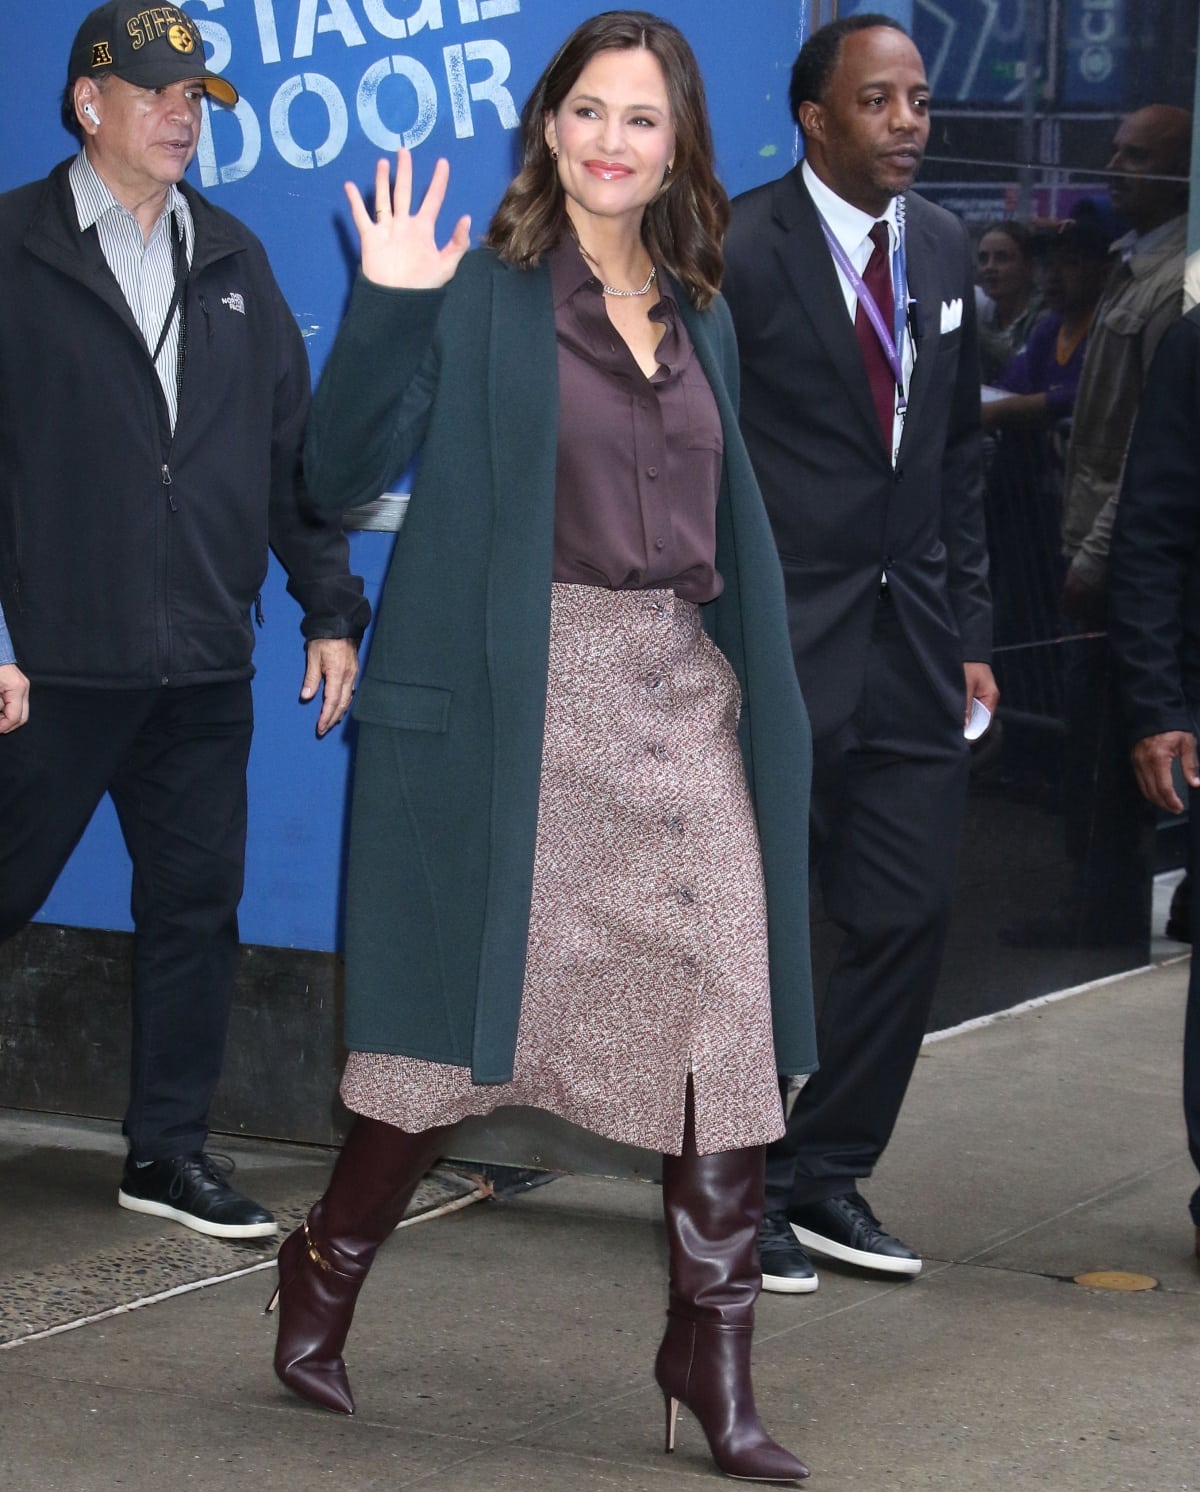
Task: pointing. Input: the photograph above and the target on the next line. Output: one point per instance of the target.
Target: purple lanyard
(871, 306)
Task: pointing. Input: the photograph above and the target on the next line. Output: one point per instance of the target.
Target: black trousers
(1191, 1030)
(889, 792)
(174, 763)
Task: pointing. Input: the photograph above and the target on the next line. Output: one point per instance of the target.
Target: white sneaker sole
(197, 1224)
(782, 1284)
(864, 1260)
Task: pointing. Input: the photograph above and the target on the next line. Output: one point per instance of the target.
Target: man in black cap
(155, 393)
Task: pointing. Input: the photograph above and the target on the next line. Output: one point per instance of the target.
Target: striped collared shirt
(144, 271)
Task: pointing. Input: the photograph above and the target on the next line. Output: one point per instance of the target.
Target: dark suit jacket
(1154, 562)
(840, 514)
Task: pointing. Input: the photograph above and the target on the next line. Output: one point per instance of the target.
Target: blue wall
(327, 85)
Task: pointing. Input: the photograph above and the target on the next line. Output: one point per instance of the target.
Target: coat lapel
(54, 237)
(523, 416)
(522, 400)
(809, 267)
(699, 331)
(922, 252)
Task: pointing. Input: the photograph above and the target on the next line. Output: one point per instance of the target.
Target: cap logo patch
(181, 39)
(158, 21)
(101, 56)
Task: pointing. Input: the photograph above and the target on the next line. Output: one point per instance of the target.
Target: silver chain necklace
(630, 294)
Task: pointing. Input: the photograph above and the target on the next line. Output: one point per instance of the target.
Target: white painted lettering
(428, 13)
(268, 35)
(281, 132)
(243, 117)
(384, 22)
(489, 89)
(424, 114)
(396, 101)
(216, 38)
(337, 18)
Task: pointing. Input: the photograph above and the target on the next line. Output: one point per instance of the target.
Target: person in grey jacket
(155, 392)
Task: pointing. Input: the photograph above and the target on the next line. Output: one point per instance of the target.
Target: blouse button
(652, 471)
(660, 544)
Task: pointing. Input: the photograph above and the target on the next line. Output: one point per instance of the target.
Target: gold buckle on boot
(314, 1253)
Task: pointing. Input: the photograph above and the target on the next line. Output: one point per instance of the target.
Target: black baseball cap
(147, 45)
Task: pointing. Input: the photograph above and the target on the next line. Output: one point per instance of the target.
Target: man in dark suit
(863, 424)
(1154, 623)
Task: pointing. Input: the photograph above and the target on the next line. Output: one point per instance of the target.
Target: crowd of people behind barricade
(1058, 419)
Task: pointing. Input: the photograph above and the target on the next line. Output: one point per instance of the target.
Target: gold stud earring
(553, 154)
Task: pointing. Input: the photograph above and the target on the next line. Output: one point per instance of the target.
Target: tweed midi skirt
(647, 949)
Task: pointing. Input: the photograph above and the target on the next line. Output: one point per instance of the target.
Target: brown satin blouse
(639, 459)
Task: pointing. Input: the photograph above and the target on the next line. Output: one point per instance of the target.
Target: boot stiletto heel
(712, 1205)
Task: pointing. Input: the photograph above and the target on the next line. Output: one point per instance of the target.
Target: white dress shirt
(145, 270)
(852, 229)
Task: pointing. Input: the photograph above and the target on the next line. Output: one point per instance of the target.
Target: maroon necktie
(877, 277)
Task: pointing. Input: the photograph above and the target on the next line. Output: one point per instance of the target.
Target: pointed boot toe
(323, 1264)
(707, 1369)
(315, 1303)
(324, 1384)
(712, 1206)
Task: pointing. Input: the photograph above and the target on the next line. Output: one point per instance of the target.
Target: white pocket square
(951, 315)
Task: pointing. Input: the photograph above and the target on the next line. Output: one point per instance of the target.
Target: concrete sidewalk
(508, 1345)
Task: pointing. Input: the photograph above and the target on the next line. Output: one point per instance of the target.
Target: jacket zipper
(16, 512)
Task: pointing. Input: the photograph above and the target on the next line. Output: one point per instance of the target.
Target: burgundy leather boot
(713, 1205)
(323, 1264)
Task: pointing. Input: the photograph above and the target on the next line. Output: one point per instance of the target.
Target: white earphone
(91, 113)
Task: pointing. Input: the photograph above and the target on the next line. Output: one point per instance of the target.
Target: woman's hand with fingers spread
(399, 246)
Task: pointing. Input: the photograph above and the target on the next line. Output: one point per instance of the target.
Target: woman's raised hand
(399, 248)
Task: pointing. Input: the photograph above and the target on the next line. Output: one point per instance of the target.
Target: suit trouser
(889, 792)
(1109, 833)
(1191, 1030)
(174, 763)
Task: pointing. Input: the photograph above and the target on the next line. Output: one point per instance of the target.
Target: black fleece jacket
(129, 558)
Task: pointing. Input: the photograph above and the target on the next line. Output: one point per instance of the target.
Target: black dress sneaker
(192, 1190)
(786, 1268)
(846, 1229)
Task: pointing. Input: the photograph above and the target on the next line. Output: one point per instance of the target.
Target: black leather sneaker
(192, 1190)
(786, 1268)
(845, 1228)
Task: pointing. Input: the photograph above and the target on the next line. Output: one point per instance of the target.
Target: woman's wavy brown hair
(684, 225)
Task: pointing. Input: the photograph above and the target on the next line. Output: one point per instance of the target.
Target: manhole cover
(1116, 1279)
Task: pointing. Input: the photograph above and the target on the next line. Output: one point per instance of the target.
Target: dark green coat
(451, 705)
